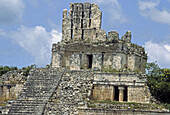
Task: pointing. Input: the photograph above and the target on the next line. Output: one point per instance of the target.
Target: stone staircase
(40, 85)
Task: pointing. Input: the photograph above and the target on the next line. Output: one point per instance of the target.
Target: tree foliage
(5, 69)
(158, 82)
(27, 69)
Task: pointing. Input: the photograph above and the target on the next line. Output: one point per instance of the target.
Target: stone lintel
(121, 88)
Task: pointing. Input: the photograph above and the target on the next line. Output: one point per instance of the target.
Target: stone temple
(88, 67)
(85, 46)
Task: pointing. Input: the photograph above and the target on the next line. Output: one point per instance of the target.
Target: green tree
(5, 69)
(27, 69)
(158, 82)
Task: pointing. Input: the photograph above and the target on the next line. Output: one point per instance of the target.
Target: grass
(4, 100)
(128, 105)
(109, 70)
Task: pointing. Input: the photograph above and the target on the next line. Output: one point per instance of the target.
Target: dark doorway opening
(125, 94)
(116, 98)
(90, 60)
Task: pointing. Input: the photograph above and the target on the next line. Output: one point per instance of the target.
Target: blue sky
(29, 27)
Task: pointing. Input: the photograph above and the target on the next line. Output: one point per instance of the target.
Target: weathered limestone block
(17, 90)
(107, 63)
(95, 16)
(75, 62)
(127, 36)
(65, 13)
(113, 35)
(103, 92)
(97, 61)
(6, 92)
(87, 5)
(131, 62)
(56, 59)
(117, 62)
(66, 29)
(101, 35)
(89, 34)
(138, 94)
(77, 34)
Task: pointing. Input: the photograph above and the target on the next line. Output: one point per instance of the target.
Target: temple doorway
(90, 60)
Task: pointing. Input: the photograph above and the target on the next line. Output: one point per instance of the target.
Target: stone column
(112, 93)
(6, 92)
(121, 93)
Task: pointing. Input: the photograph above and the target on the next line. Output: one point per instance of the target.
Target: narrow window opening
(71, 33)
(82, 14)
(81, 23)
(90, 60)
(71, 23)
(102, 59)
(89, 23)
(90, 15)
(116, 98)
(82, 37)
(125, 94)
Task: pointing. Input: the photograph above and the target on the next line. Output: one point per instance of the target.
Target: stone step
(37, 90)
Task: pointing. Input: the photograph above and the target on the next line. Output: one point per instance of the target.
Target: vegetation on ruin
(4, 100)
(5, 69)
(27, 69)
(159, 82)
(110, 70)
(124, 105)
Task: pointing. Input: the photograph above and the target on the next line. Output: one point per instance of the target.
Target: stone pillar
(6, 92)
(121, 93)
(112, 93)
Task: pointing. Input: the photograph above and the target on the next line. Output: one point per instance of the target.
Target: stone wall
(104, 56)
(128, 87)
(10, 91)
(11, 83)
(103, 92)
(73, 91)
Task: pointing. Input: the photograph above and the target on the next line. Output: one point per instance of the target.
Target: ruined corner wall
(12, 83)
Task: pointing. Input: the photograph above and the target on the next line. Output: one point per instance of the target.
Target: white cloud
(158, 52)
(36, 41)
(148, 9)
(114, 8)
(167, 47)
(11, 11)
